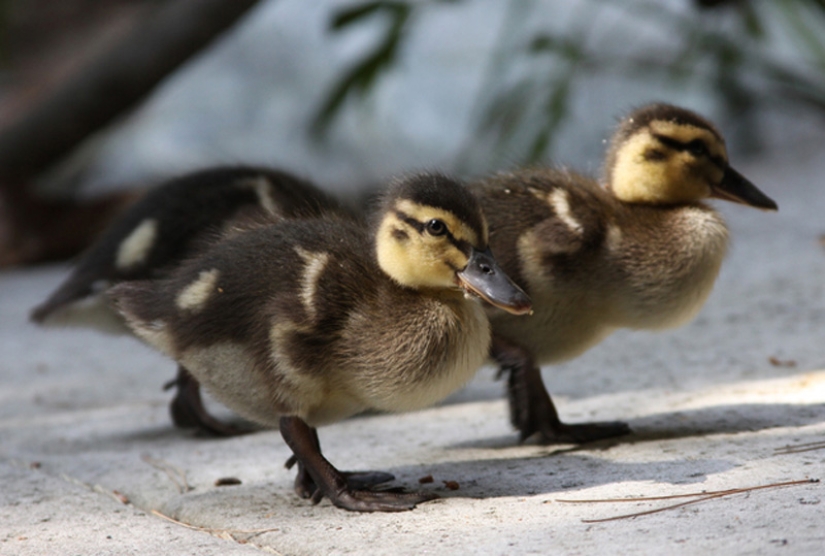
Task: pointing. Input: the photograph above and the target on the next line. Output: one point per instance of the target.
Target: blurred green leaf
(363, 74)
(729, 51)
(799, 19)
(507, 110)
(750, 20)
(355, 14)
(555, 110)
(562, 46)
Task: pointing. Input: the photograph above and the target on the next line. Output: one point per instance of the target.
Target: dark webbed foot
(317, 478)
(187, 408)
(532, 410)
(306, 488)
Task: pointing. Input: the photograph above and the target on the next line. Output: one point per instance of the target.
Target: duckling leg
(187, 408)
(531, 408)
(333, 484)
(306, 488)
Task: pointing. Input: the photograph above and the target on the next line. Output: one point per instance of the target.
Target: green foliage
(728, 48)
(364, 73)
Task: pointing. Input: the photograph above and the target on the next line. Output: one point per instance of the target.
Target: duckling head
(432, 235)
(666, 155)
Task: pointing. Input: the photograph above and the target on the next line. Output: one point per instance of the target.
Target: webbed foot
(318, 478)
(532, 411)
(306, 488)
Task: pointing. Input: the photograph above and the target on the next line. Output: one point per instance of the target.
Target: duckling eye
(436, 227)
(697, 148)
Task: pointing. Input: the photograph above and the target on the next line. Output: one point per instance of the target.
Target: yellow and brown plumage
(309, 321)
(641, 251)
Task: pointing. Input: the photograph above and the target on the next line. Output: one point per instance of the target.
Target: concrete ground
(90, 463)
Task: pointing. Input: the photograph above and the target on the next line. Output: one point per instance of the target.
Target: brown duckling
(167, 225)
(309, 321)
(641, 251)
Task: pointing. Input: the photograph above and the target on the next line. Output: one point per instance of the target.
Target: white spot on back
(614, 237)
(561, 206)
(261, 186)
(195, 295)
(315, 264)
(135, 248)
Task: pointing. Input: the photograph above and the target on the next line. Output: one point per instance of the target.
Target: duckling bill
(640, 251)
(306, 322)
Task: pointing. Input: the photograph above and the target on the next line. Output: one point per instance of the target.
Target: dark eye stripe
(419, 226)
(671, 142)
(460, 244)
(680, 146)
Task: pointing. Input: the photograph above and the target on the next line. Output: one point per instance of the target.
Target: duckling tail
(139, 303)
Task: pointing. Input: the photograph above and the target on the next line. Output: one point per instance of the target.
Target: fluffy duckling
(167, 225)
(641, 251)
(306, 322)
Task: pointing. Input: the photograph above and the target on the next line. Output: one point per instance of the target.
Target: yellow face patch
(416, 258)
(648, 170)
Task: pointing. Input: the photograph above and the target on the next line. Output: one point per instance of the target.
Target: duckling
(167, 225)
(309, 321)
(641, 251)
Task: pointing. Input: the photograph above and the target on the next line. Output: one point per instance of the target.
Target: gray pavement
(90, 463)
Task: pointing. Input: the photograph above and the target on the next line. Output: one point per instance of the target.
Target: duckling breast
(669, 259)
(416, 351)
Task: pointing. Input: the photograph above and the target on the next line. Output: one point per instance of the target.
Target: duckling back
(168, 224)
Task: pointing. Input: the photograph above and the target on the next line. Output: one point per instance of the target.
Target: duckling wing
(178, 218)
(540, 216)
(256, 312)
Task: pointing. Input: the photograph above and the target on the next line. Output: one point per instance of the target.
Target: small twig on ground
(799, 448)
(117, 495)
(215, 531)
(177, 475)
(703, 496)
